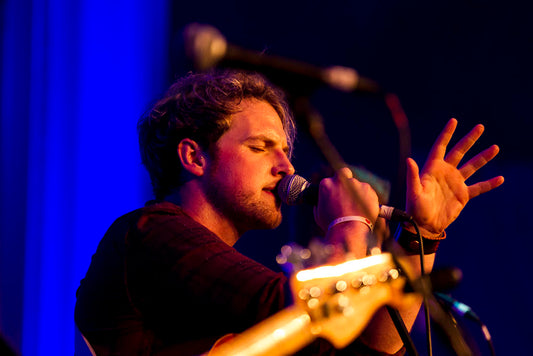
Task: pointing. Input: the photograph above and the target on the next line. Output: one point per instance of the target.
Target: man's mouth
(269, 190)
(273, 191)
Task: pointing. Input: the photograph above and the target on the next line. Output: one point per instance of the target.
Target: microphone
(294, 190)
(460, 308)
(465, 311)
(207, 48)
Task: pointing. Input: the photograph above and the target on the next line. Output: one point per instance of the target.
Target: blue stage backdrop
(76, 75)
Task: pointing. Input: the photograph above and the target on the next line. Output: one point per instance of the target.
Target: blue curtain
(76, 75)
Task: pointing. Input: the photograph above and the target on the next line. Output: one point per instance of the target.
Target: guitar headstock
(335, 302)
(341, 299)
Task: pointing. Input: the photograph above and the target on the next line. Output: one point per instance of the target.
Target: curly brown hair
(199, 107)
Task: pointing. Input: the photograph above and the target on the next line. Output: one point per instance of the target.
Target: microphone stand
(315, 126)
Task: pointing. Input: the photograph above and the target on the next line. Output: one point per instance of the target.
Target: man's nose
(283, 166)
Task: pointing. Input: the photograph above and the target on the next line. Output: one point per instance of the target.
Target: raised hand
(437, 195)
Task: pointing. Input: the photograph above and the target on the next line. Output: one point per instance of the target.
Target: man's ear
(192, 157)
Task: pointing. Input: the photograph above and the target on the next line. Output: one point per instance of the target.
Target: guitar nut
(312, 303)
(303, 294)
(369, 280)
(394, 273)
(315, 292)
(383, 276)
(341, 286)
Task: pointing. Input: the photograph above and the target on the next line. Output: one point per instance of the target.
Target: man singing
(165, 278)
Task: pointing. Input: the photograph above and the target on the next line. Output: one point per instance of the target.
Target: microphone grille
(204, 44)
(290, 189)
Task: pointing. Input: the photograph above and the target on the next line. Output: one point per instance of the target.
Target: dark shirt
(159, 279)
(161, 283)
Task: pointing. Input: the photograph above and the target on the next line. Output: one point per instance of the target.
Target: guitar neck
(284, 333)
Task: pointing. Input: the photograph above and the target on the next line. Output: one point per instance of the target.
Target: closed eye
(257, 149)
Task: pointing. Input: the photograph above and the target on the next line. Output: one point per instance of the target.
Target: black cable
(424, 295)
(424, 286)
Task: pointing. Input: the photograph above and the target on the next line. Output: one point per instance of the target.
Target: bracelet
(352, 218)
(410, 243)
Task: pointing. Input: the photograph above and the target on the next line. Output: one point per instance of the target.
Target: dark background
(465, 59)
(77, 75)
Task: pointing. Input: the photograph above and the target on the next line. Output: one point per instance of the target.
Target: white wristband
(352, 218)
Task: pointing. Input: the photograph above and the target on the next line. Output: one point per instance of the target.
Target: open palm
(437, 195)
